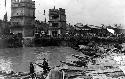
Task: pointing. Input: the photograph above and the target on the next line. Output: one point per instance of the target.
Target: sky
(79, 11)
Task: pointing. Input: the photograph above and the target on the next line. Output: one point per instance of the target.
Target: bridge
(69, 40)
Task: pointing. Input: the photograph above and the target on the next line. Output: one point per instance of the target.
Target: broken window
(55, 16)
(54, 33)
(54, 24)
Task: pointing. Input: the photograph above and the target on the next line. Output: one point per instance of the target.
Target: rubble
(106, 66)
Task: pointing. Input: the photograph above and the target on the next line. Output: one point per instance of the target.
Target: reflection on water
(17, 59)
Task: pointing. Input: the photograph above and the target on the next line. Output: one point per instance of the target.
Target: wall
(28, 32)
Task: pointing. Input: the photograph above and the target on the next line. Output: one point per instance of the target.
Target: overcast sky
(85, 11)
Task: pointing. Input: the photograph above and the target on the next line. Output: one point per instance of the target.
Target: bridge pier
(28, 41)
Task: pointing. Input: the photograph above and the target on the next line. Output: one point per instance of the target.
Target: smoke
(111, 31)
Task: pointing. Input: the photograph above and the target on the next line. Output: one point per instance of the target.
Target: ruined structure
(22, 17)
(57, 22)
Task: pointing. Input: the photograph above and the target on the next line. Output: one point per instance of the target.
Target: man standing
(32, 74)
(45, 66)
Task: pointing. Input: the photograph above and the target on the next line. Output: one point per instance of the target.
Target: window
(54, 16)
(54, 33)
(51, 17)
(50, 24)
(22, 4)
(55, 24)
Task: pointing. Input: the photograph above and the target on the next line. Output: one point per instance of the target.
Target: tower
(22, 17)
(57, 22)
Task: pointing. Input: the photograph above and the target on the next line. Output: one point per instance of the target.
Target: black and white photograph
(62, 39)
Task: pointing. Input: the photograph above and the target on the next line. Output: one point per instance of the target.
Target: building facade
(57, 22)
(23, 17)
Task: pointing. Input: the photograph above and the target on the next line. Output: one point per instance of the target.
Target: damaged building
(57, 22)
(22, 17)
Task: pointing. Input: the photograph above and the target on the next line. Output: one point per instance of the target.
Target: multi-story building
(23, 17)
(57, 22)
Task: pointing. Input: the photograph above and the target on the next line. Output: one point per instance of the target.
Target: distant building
(57, 22)
(81, 29)
(69, 29)
(41, 27)
(91, 30)
(23, 17)
(4, 27)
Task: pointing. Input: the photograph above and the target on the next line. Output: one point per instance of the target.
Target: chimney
(54, 7)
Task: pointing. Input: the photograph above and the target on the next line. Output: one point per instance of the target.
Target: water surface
(17, 59)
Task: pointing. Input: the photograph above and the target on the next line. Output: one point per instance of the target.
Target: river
(17, 59)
